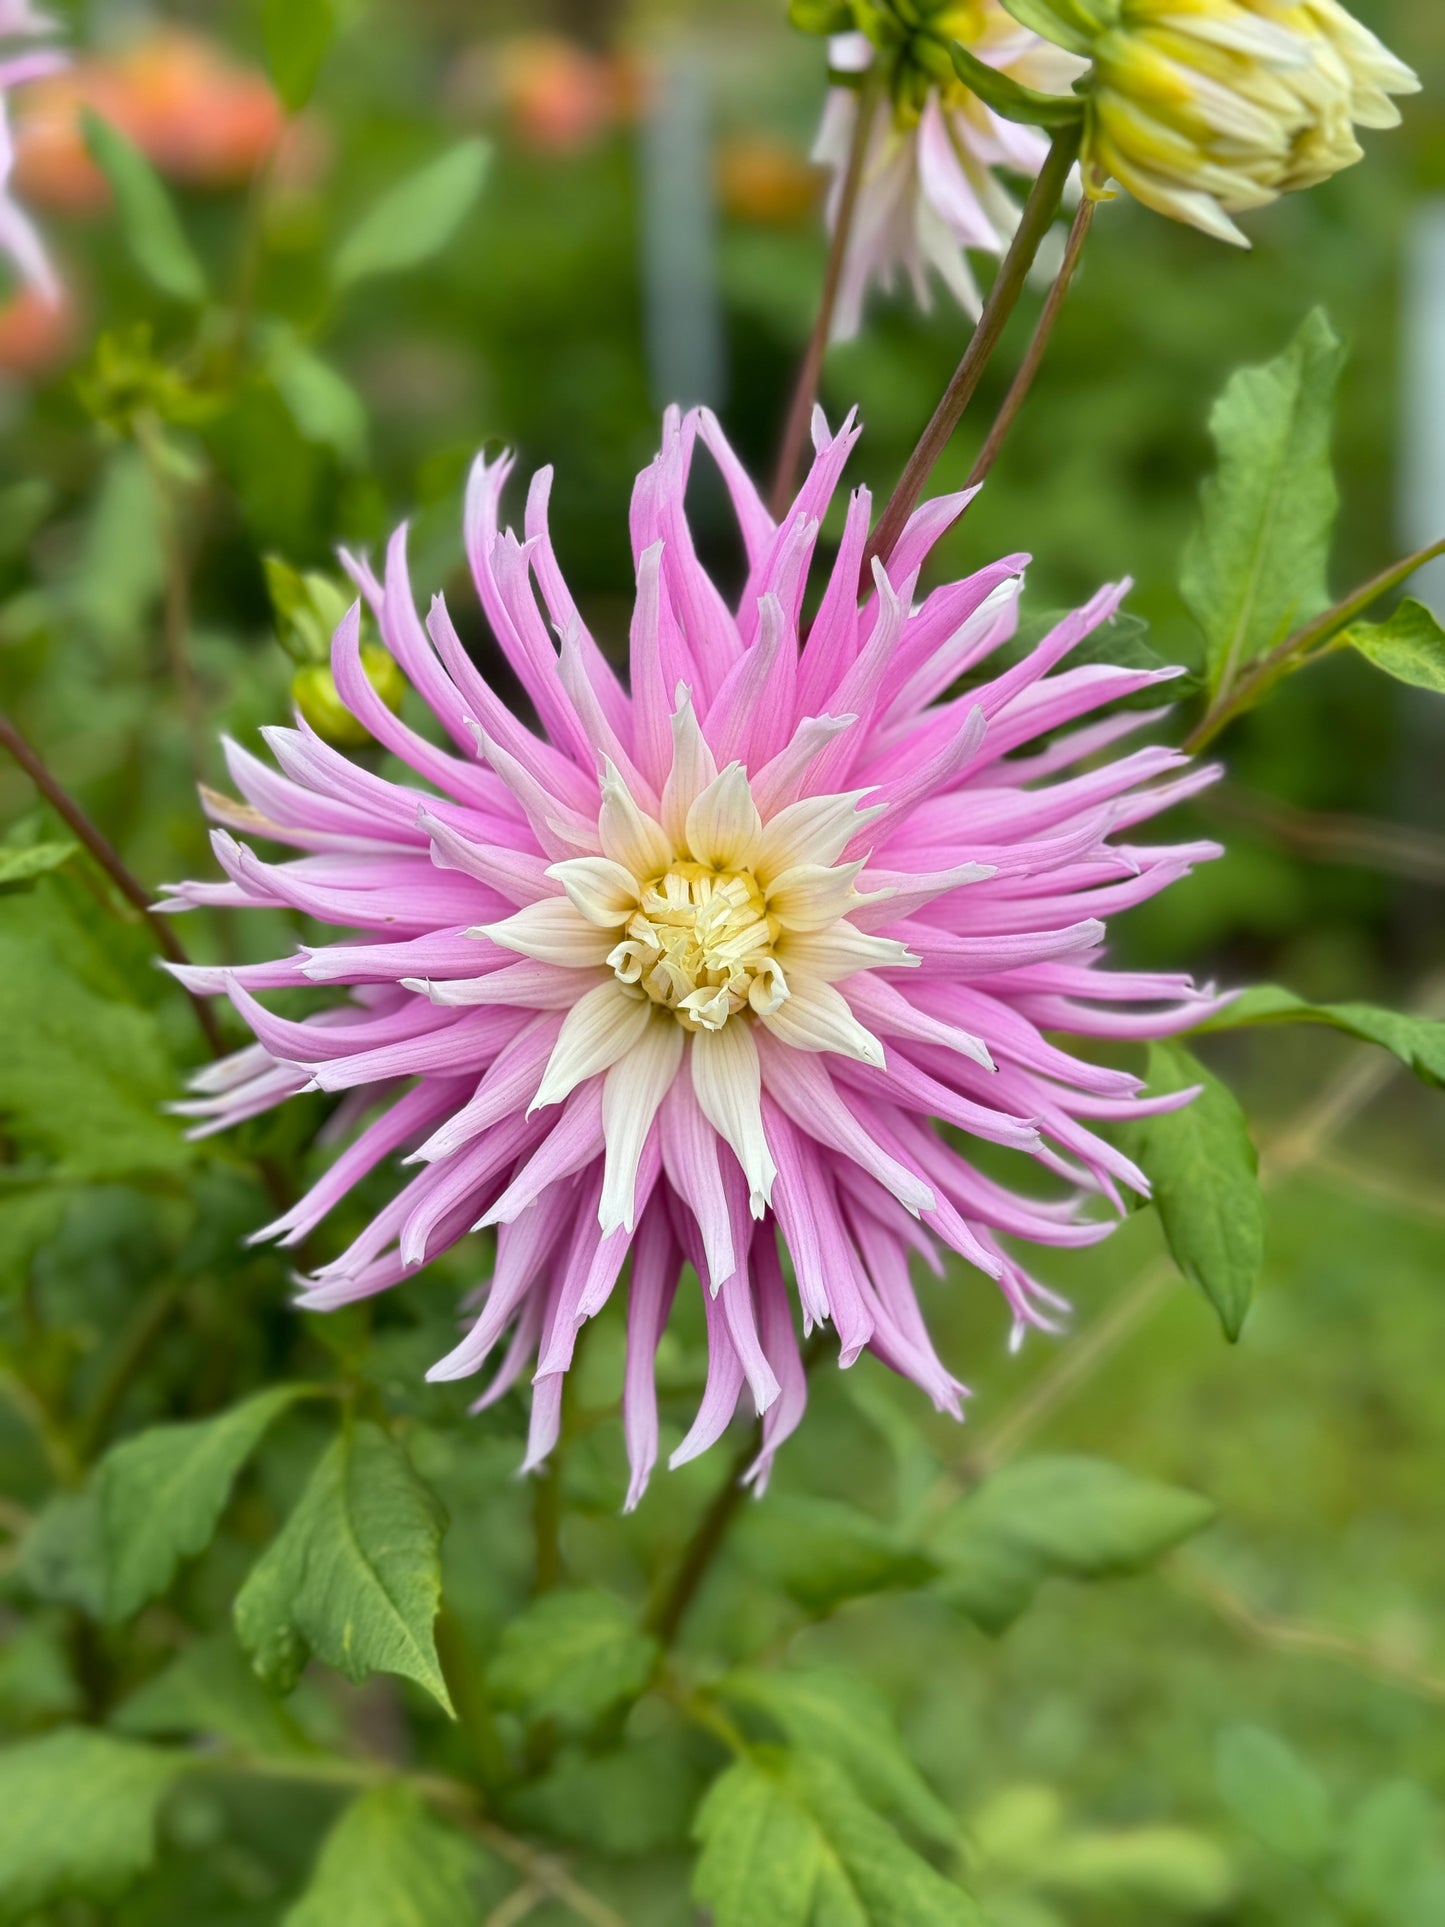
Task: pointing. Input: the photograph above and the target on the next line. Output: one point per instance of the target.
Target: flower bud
(314, 692)
(1205, 108)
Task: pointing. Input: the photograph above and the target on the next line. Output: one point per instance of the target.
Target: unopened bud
(314, 692)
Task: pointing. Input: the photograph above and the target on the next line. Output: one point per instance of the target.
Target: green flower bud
(314, 692)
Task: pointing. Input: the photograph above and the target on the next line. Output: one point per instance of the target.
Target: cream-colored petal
(723, 825)
(604, 892)
(693, 768)
(727, 1082)
(811, 895)
(599, 1029)
(634, 1088)
(840, 951)
(815, 830)
(629, 835)
(816, 1017)
(554, 931)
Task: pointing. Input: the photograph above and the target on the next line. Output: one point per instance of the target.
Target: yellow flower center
(701, 944)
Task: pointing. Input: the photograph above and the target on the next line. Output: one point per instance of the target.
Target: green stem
(1038, 217)
(142, 1335)
(669, 1608)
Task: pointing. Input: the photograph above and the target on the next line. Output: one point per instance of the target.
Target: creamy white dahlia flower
(19, 20)
(930, 186)
(726, 968)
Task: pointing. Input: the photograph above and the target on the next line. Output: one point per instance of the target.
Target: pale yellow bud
(1205, 108)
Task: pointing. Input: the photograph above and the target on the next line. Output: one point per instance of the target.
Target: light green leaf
(1011, 98)
(77, 1817)
(388, 1862)
(148, 218)
(322, 402)
(354, 1575)
(1410, 646)
(1418, 1042)
(297, 34)
(1204, 1170)
(842, 1716)
(1270, 1791)
(61, 1558)
(1076, 1517)
(1068, 23)
(162, 1493)
(22, 864)
(209, 1689)
(1154, 1866)
(570, 1656)
(1387, 1849)
(415, 219)
(823, 1552)
(761, 1851)
(1256, 568)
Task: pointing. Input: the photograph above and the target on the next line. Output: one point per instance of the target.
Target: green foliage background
(932, 1659)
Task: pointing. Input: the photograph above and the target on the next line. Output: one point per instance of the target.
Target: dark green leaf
(635, 1801)
(1083, 1518)
(209, 1689)
(77, 1817)
(1257, 566)
(388, 1862)
(415, 219)
(297, 34)
(61, 1556)
(1418, 1042)
(354, 1575)
(22, 864)
(845, 1718)
(162, 1493)
(570, 1656)
(1410, 646)
(1270, 1790)
(148, 218)
(1204, 1171)
(1011, 98)
(823, 1552)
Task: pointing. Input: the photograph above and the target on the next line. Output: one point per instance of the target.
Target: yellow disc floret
(701, 944)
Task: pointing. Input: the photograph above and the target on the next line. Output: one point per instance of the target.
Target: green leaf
(77, 1817)
(148, 218)
(209, 1689)
(415, 219)
(786, 1839)
(634, 1801)
(1256, 568)
(1387, 1849)
(1011, 98)
(1270, 1791)
(1204, 1171)
(297, 34)
(354, 1575)
(162, 1493)
(1076, 1517)
(842, 1716)
(323, 404)
(22, 864)
(1418, 1042)
(821, 16)
(1410, 646)
(570, 1656)
(1158, 1866)
(388, 1862)
(1068, 23)
(822, 1552)
(61, 1556)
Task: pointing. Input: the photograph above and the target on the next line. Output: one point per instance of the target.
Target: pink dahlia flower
(930, 187)
(696, 974)
(18, 238)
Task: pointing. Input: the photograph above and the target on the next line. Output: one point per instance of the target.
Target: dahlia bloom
(689, 977)
(19, 20)
(930, 187)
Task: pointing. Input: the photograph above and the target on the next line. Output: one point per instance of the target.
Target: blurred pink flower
(693, 976)
(930, 186)
(19, 20)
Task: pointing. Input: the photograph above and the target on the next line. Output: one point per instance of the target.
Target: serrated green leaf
(388, 1862)
(1257, 566)
(415, 219)
(844, 1717)
(297, 34)
(823, 1552)
(148, 218)
(1410, 646)
(1074, 1517)
(1010, 98)
(22, 864)
(1204, 1170)
(761, 1852)
(77, 1817)
(570, 1656)
(354, 1575)
(1418, 1042)
(1269, 1790)
(162, 1493)
(209, 1689)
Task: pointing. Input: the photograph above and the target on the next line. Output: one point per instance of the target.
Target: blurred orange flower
(38, 332)
(559, 96)
(767, 182)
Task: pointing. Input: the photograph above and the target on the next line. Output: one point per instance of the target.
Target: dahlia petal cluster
(930, 187)
(725, 967)
(19, 20)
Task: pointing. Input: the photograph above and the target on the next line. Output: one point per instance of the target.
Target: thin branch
(109, 859)
(1330, 836)
(805, 390)
(1023, 381)
(1038, 217)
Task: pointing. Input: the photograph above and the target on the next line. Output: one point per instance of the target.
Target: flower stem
(1038, 217)
(805, 389)
(1023, 381)
(668, 1611)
